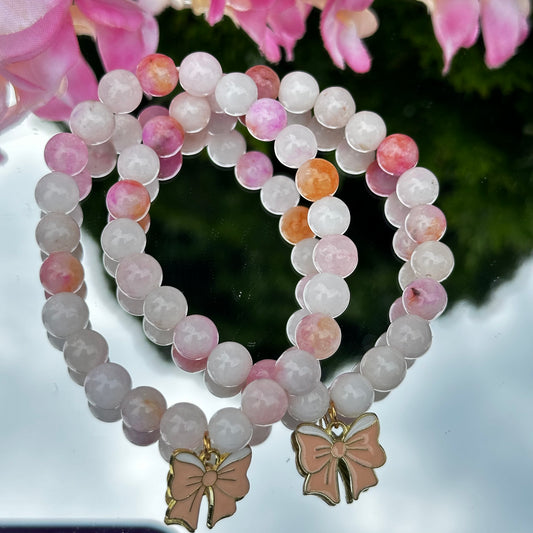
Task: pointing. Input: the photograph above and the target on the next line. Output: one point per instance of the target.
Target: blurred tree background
(474, 128)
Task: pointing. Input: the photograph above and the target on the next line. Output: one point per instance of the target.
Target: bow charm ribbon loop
(324, 453)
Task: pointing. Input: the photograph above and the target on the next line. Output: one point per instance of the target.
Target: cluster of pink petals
(40, 56)
(457, 22)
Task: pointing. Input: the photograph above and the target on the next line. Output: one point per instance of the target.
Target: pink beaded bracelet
(202, 454)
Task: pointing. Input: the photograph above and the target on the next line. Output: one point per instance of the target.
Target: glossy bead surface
(417, 186)
(195, 337)
(329, 216)
(395, 211)
(138, 274)
(402, 244)
(365, 130)
(225, 149)
(265, 119)
(266, 80)
(85, 350)
(334, 107)
(57, 232)
(293, 224)
(228, 364)
(92, 121)
(396, 310)
(120, 91)
(336, 254)
(122, 237)
(139, 163)
(432, 259)
(106, 385)
(253, 169)
(279, 194)
(102, 159)
(352, 394)
(157, 74)
(61, 272)
(229, 430)
(317, 178)
(192, 112)
(164, 307)
(425, 297)
(327, 139)
(351, 161)
(318, 334)
(298, 92)
(294, 145)
(384, 367)
(425, 223)
(183, 425)
(142, 409)
(327, 293)
(164, 135)
(235, 93)
(311, 406)
(411, 335)
(57, 193)
(265, 368)
(170, 166)
(65, 152)
(397, 153)
(128, 199)
(64, 314)
(128, 131)
(302, 256)
(406, 274)
(297, 371)
(199, 73)
(264, 402)
(292, 324)
(378, 181)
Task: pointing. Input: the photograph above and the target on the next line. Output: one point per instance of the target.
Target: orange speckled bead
(157, 74)
(293, 225)
(128, 199)
(317, 178)
(61, 272)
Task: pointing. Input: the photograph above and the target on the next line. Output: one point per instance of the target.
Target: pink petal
(353, 50)
(216, 11)
(254, 23)
(329, 29)
(116, 13)
(503, 27)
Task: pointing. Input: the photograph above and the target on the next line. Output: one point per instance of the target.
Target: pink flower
(41, 59)
(456, 25)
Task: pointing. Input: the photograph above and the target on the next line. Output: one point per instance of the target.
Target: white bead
(106, 385)
(384, 367)
(302, 256)
(311, 406)
(128, 131)
(57, 232)
(92, 121)
(164, 307)
(333, 107)
(133, 306)
(199, 73)
(77, 215)
(142, 409)
(192, 112)
(278, 194)
(328, 216)
(352, 161)
(235, 93)
(432, 259)
(152, 189)
(183, 426)
(194, 143)
(327, 293)
(122, 237)
(292, 324)
(161, 337)
(138, 274)
(298, 92)
(229, 430)
(138, 162)
(297, 371)
(411, 335)
(294, 145)
(395, 211)
(225, 149)
(402, 244)
(381, 341)
(352, 394)
(57, 193)
(221, 123)
(365, 131)
(218, 390)
(327, 139)
(406, 275)
(299, 290)
(85, 350)
(102, 159)
(65, 314)
(417, 186)
(303, 119)
(229, 364)
(120, 91)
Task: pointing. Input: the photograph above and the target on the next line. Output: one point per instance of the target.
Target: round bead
(161, 337)
(139, 163)
(64, 314)
(57, 193)
(292, 324)
(106, 385)
(417, 186)
(164, 135)
(195, 337)
(192, 112)
(384, 367)
(235, 93)
(122, 237)
(411, 335)
(120, 91)
(266, 80)
(318, 334)
(327, 293)
(170, 166)
(264, 402)
(221, 123)
(128, 199)
(200, 73)
(299, 290)
(102, 159)
(425, 223)
(164, 307)
(336, 254)
(317, 178)
(327, 139)
(302, 256)
(329, 216)
(365, 130)
(396, 310)
(188, 365)
(150, 112)
(378, 181)
(432, 259)
(351, 161)
(229, 364)
(311, 406)
(194, 143)
(138, 274)
(395, 211)
(142, 409)
(406, 274)
(297, 371)
(402, 244)
(298, 92)
(157, 74)
(334, 106)
(66, 153)
(128, 131)
(57, 232)
(85, 350)
(225, 149)
(183, 425)
(229, 430)
(92, 121)
(397, 153)
(265, 119)
(253, 169)
(279, 194)
(61, 272)
(294, 145)
(263, 369)
(425, 297)
(84, 182)
(293, 224)
(352, 394)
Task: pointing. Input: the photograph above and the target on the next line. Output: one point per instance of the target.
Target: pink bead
(195, 337)
(266, 79)
(169, 166)
(61, 272)
(150, 112)
(164, 135)
(142, 409)
(425, 223)
(425, 298)
(128, 199)
(397, 153)
(157, 74)
(336, 254)
(318, 334)
(264, 402)
(102, 159)
(265, 119)
(253, 169)
(66, 152)
(396, 310)
(403, 245)
(138, 274)
(84, 182)
(264, 369)
(188, 365)
(379, 182)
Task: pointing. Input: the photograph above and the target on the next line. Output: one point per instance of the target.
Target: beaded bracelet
(206, 113)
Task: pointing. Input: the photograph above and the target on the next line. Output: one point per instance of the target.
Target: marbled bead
(106, 386)
(84, 182)
(253, 169)
(351, 161)
(266, 80)
(57, 232)
(279, 194)
(64, 314)
(425, 297)
(318, 334)
(406, 274)
(164, 307)
(302, 256)
(66, 152)
(138, 274)
(195, 337)
(298, 92)
(299, 290)
(329, 216)
(352, 394)
(229, 430)
(397, 153)
(264, 402)
(228, 364)
(199, 73)
(402, 244)
(384, 367)
(417, 186)
(157, 74)
(336, 254)
(120, 91)
(265, 368)
(396, 310)
(225, 149)
(432, 259)
(92, 121)
(327, 139)
(294, 145)
(122, 237)
(61, 272)
(235, 93)
(365, 130)
(327, 293)
(221, 123)
(192, 112)
(425, 223)
(150, 112)
(334, 107)
(57, 192)
(84, 351)
(188, 365)
(311, 406)
(297, 371)
(378, 181)
(293, 225)
(138, 162)
(170, 166)
(102, 159)
(194, 143)
(265, 119)
(128, 199)
(395, 211)
(292, 324)
(161, 337)
(317, 178)
(128, 131)
(411, 335)
(164, 135)
(142, 409)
